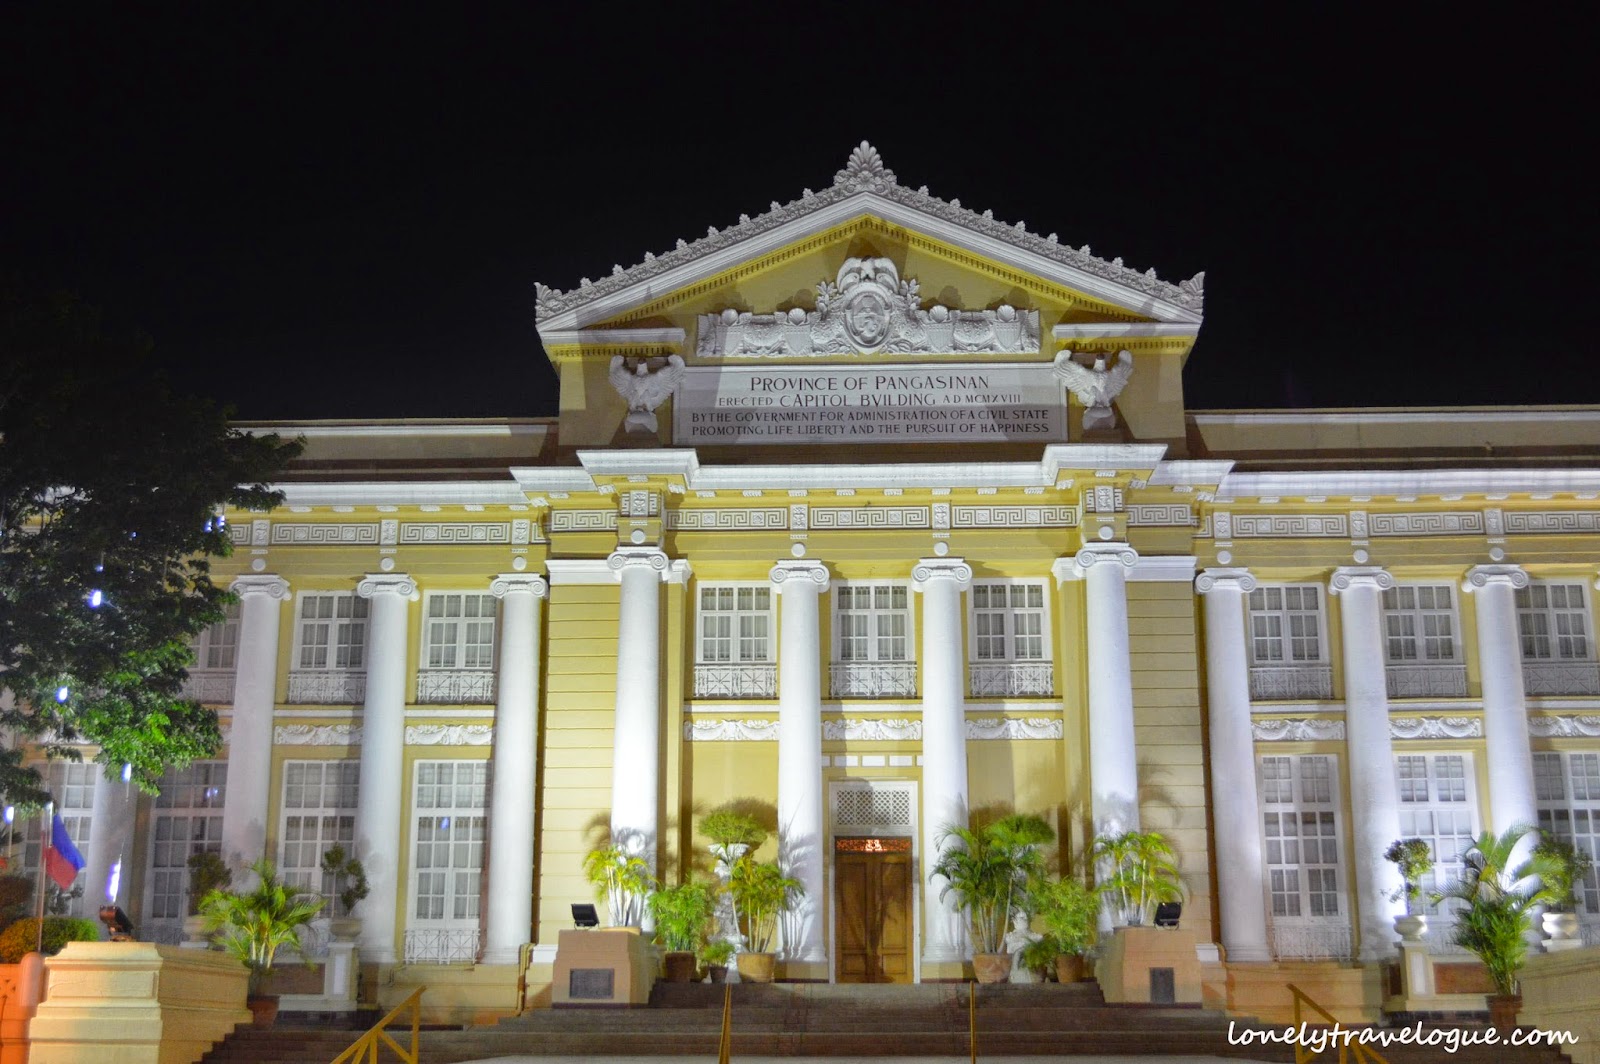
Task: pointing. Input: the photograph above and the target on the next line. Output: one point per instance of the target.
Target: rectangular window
(1437, 805)
(319, 812)
(1567, 789)
(1553, 621)
(187, 820)
(1008, 621)
(216, 646)
(872, 622)
(447, 843)
(459, 631)
(1286, 624)
(331, 631)
(1419, 624)
(1301, 837)
(735, 624)
(71, 784)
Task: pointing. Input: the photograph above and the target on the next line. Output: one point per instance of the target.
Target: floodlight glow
(62, 693)
(113, 881)
(127, 773)
(11, 813)
(95, 598)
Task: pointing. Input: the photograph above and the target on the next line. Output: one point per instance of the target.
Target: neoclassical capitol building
(877, 510)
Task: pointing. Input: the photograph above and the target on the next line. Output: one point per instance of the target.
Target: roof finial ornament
(865, 172)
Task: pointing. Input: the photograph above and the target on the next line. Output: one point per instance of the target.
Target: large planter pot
(992, 967)
(1410, 927)
(1503, 1009)
(758, 967)
(719, 973)
(263, 1010)
(1071, 968)
(1561, 927)
(345, 928)
(679, 967)
(194, 930)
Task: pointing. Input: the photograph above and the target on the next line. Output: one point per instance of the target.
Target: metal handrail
(366, 1047)
(1347, 1050)
(972, 1020)
(725, 1043)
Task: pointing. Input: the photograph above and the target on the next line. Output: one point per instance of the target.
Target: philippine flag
(61, 859)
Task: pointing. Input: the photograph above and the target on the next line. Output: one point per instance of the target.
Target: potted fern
(681, 914)
(255, 924)
(989, 869)
(622, 879)
(1414, 860)
(1137, 872)
(1068, 909)
(715, 955)
(349, 888)
(762, 893)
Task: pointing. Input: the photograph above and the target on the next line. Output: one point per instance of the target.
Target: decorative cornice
(730, 731)
(614, 337)
(1552, 726)
(1380, 484)
(1485, 575)
(866, 176)
(580, 571)
(1308, 729)
(317, 735)
(268, 584)
(1347, 576)
(449, 735)
(374, 584)
(799, 574)
(1436, 727)
(512, 583)
(1014, 728)
(872, 730)
(331, 533)
(928, 570)
(1239, 580)
(638, 558)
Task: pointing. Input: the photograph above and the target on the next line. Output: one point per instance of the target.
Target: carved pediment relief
(868, 308)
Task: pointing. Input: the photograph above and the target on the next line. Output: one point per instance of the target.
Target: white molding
(1435, 727)
(749, 730)
(315, 429)
(454, 532)
(986, 728)
(583, 521)
(1296, 730)
(666, 462)
(1564, 726)
(333, 712)
(449, 735)
(580, 571)
(316, 735)
(403, 493)
(455, 713)
(324, 533)
(1182, 473)
(611, 337)
(1100, 330)
(532, 479)
(1160, 567)
(1419, 482)
(1469, 416)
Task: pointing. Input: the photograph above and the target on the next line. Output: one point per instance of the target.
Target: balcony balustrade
(443, 945)
(1560, 678)
(1278, 683)
(743, 680)
(327, 687)
(455, 687)
(874, 679)
(1427, 681)
(1011, 679)
(212, 687)
(1326, 940)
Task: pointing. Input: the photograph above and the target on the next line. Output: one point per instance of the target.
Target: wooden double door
(872, 910)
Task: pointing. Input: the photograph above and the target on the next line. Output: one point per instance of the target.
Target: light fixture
(62, 693)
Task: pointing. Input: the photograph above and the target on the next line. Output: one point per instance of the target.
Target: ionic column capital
(801, 574)
(1480, 576)
(517, 583)
(673, 571)
(927, 571)
(268, 584)
(1240, 580)
(374, 584)
(1348, 576)
(1091, 554)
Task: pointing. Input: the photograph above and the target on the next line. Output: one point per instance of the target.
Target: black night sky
(341, 210)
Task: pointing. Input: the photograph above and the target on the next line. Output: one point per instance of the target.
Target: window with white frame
(1010, 639)
(1567, 789)
(331, 631)
(458, 632)
(1419, 623)
(735, 624)
(318, 813)
(187, 821)
(71, 784)
(1553, 621)
(1438, 804)
(1301, 834)
(1287, 655)
(446, 859)
(217, 645)
(872, 622)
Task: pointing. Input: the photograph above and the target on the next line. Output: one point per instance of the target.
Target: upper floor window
(735, 623)
(1287, 655)
(872, 622)
(459, 631)
(1010, 640)
(1567, 789)
(331, 632)
(1421, 644)
(217, 645)
(1553, 620)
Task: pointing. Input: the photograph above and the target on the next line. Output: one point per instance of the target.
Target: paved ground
(860, 1060)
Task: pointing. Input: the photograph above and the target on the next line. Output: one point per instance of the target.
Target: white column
(1505, 704)
(1113, 758)
(516, 738)
(636, 741)
(944, 743)
(800, 585)
(1375, 796)
(383, 741)
(110, 842)
(244, 817)
(1235, 809)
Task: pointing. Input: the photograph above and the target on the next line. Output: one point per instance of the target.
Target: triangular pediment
(962, 260)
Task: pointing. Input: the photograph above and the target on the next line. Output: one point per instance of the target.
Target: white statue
(1095, 386)
(1018, 940)
(644, 389)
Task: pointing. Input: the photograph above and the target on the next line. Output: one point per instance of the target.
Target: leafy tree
(110, 488)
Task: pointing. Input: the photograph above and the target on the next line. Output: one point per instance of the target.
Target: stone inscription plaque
(591, 984)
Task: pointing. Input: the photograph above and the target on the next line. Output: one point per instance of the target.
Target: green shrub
(20, 938)
(16, 898)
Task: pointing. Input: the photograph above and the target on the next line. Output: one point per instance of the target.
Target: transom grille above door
(874, 808)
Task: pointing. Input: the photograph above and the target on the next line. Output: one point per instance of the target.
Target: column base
(371, 955)
(501, 955)
(943, 970)
(1248, 954)
(804, 971)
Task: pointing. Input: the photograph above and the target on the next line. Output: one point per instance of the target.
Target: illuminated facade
(858, 509)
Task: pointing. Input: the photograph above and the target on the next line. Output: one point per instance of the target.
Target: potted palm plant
(681, 914)
(1414, 860)
(1494, 915)
(762, 893)
(1565, 866)
(733, 832)
(349, 888)
(1137, 873)
(715, 955)
(254, 924)
(622, 879)
(1068, 909)
(989, 868)
(207, 873)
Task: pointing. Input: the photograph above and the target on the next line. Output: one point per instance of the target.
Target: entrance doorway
(872, 910)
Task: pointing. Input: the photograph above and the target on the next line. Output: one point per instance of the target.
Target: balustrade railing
(427, 945)
(1326, 941)
(213, 687)
(874, 679)
(455, 687)
(1008, 679)
(1427, 681)
(744, 680)
(1561, 678)
(327, 687)
(1277, 683)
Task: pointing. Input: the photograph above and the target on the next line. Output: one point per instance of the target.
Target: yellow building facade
(879, 512)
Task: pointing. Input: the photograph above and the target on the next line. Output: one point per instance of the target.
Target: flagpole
(45, 839)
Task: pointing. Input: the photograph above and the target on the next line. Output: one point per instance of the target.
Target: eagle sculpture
(644, 389)
(1095, 386)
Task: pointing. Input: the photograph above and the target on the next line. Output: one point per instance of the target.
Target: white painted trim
(404, 493)
(1099, 330)
(1195, 473)
(681, 462)
(1470, 416)
(314, 429)
(580, 571)
(551, 478)
(1173, 567)
(610, 337)
(1415, 482)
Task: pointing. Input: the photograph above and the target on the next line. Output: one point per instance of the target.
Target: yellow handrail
(1303, 1054)
(366, 1047)
(972, 1020)
(725, 1043)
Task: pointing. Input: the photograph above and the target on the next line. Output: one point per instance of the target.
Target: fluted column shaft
(1375, 797)
(636, 743)
(944, 744)
(244, 817)
(512, 798)
(1235, 805)
(383, 738)
(110, 843)
(799, 585)
(1512, 800)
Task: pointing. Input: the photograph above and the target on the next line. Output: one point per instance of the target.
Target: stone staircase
(815, 1020)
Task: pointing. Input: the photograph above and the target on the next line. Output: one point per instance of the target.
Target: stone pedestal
(1426, 985)
(609, 966)
(136, 1003)
(1133, 953)
(340, 977)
